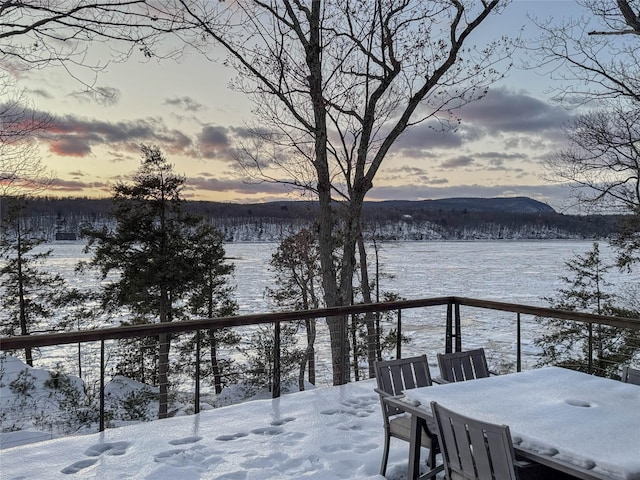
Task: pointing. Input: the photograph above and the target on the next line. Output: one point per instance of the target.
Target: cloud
(76, 186)
(457, 162)
(504, 110)
(73, 136)
(105, 96)
(418, 141)
(520, 119)
(214, 141)
(71, 147)
(525, 127)
(237, 185)
(39, 92)
(184, 103)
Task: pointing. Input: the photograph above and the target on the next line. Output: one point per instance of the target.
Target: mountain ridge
(457, 218)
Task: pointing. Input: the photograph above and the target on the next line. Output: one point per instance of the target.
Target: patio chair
(460, 366)
(394, 376)
(631, 375)
(472, 449)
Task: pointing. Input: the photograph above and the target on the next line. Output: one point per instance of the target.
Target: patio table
(577, 423)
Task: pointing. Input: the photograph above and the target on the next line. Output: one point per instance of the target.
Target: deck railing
(453, 330)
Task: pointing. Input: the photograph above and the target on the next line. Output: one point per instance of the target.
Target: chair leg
(431, 461)
(385, 455)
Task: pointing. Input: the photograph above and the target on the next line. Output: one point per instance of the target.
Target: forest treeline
(444, 219)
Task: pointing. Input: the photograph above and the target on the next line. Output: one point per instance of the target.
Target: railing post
(399, 337)
(518, 344)
(196, 402)
(458, 328)
(276, 360)
(590, 360)
(101, 427)
(448, 338)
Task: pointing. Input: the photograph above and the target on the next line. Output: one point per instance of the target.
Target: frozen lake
(511, 271)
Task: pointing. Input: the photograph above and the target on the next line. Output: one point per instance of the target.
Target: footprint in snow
(79, 466)
(282, 421)
(267, 431)
(185, 441)
(342, 411)
(232, 476)
(227, 438)
(109, 448)
(168, 453)
(338, 447)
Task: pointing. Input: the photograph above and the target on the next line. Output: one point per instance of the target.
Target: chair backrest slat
(460, 366)
(483, 465)
(631, 375)
(394, 376)
(473, 449)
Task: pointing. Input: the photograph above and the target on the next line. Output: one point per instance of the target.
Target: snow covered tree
(297, 286)
(580, 345)
(151, 252)
(212, 297)
(33, 299)
(261, 351)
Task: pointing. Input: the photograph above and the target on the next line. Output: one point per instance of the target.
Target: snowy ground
(324, 433)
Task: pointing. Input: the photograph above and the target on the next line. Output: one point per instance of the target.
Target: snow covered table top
(572, 417)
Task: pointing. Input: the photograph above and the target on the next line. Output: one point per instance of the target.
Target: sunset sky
(189, 111)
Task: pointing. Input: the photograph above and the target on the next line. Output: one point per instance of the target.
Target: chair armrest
(415, 410)
(520, 463)
(382, 393)
(399, 402)
(440, 380)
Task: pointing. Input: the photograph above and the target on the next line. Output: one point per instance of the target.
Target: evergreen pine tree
(566, 343)
(31, 295)
(212, 297)
(152, 254)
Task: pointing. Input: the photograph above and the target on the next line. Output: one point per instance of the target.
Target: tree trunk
(337, 325)
(24, 330)
(163, 356)
(215, 366)
(311, 351)
(372, 340)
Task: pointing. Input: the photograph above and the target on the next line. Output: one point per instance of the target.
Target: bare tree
(36, 34)
(602, 160)
(335, 84)
(596, 56)
(21, 171)
(597, 60)
(41, 33)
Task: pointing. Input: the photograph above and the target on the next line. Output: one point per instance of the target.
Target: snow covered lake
(511, 271)
(520, 271)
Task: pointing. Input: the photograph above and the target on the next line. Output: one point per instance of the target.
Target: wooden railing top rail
(633, 323)
(131, 331)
